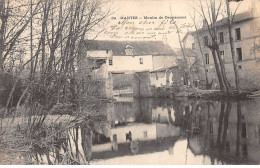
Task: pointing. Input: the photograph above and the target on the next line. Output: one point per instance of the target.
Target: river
(163, 131)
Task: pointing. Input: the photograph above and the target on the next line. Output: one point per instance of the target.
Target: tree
(60, 30)
(213, 11)
(231, 41)
(14, 17)
(197, 37)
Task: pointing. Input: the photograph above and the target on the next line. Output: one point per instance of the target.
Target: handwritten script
(145, 28)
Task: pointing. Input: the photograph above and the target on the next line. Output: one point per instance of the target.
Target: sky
(156, 8)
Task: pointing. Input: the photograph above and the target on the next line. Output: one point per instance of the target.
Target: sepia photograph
(130, 82)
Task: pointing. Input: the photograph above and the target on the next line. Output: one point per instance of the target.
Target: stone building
(92, 68)
(246, 34)
(162, 82)
(132, 56)
(125, 58)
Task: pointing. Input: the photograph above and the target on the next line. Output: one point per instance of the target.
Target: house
(132, 56)
(194, 60)
(92, 68)
(124, 58)
(246, 34)
(161, 82)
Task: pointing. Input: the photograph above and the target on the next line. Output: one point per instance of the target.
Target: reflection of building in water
(145, 138)
(143, 132)
(224, 136)
(161, 114)
(138, 120)
(145, 111)
(228, 135)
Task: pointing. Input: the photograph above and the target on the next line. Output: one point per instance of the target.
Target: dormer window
(129, 50)
(107, 51)
(141, 61)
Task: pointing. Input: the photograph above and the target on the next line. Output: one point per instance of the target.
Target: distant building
(93, 69)
(124, 58)
(132, 56)
(246, 34)
(161, 82)
(194, 59)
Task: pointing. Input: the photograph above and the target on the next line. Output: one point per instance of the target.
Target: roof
(140, 47)
(237, 18)
(188, 52)
(164, 68)
(186, 35)
(248, 15)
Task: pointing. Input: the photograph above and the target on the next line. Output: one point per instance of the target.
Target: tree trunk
(203, 60)
(215, 47)
(223, 71)
(219, 75)
(187, 69)
(31, 41)
(231, 41)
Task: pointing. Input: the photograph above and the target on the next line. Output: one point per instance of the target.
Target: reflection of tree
(228, 109)
(221, 116)
(170, 116)
(86, 140)
(238, 128)
(223, 121)
(65, 142)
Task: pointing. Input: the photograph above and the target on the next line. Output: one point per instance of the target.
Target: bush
(8, 82)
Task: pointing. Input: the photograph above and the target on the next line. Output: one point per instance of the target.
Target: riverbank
(203, 94)
(212, 94)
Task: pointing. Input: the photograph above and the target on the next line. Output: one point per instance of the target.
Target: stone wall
(158, 84)
(122, 81)
(249, 66)
(164, 61)
(141, 84)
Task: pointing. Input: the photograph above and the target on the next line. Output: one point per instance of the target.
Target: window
(211, 128)
(110, 62)
(145, 134)
(238, 34)
(243, 132)
(107, 51)
(141, 60)
(207, 70)
(114, 137)
(239, 55)
(207, 58)
(129, 50)
(244, 150)
(193, 46)
(205, 40)
(221, 37)
(222, 55)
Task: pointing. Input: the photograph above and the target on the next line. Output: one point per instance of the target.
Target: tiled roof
(237, 18)
(139, 47)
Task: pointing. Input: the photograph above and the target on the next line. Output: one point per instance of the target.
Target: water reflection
(150, 131)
